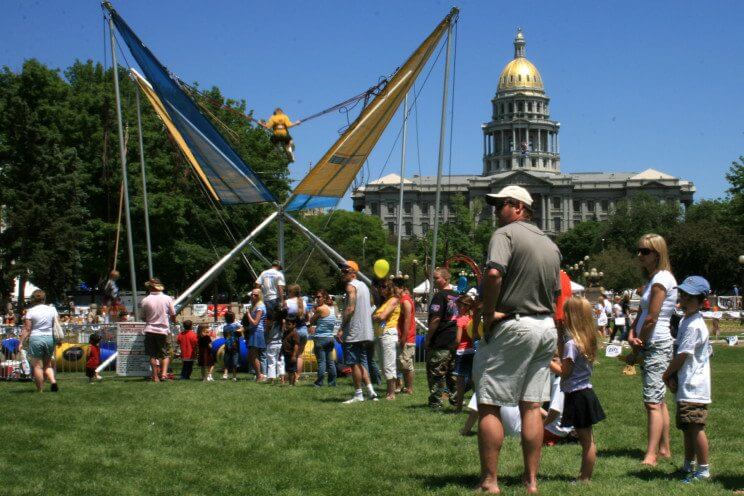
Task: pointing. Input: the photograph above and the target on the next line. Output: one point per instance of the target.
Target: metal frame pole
(215, 270)
(440, 162)
(123, 154)
(144, 184)
(280, 236)
(402, 180)
(331, 253)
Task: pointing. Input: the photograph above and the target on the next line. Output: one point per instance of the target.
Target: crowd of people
(524, 345)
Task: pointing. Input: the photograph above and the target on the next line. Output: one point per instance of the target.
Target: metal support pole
(331, 254)
(440, 162)
(402, 176)
(214, 271)
(123, 155)
(280, 248)
(144, 185)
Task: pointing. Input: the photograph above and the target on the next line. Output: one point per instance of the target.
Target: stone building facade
(520, 146)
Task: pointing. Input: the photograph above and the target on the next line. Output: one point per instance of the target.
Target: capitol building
(521, 146)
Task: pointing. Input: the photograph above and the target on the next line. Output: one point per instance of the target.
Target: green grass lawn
(126, 436)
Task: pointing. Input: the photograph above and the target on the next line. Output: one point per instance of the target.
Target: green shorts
(156, 345)
(41, 347)
(691, 414)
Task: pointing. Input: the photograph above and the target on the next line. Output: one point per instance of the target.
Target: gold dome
(520, 74)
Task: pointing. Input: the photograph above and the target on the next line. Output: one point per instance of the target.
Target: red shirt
(94, 357)
(466, 342)
(411, 338)
(187, 340)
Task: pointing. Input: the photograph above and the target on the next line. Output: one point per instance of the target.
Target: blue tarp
(230, 177)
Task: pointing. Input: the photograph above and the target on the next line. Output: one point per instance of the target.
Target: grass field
(127, 437)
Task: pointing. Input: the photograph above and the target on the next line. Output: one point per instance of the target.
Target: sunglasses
(645, 251)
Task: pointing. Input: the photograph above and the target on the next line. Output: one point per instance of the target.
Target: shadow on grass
(650, 474)
(730, 482)
(470, 480)
(621, 453)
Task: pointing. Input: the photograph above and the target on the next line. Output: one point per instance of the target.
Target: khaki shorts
(691, 414)
(513, 365)
(406, 357)
(156, 345)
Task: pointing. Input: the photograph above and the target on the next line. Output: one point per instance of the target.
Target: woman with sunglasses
(322, 326)
(651, 338)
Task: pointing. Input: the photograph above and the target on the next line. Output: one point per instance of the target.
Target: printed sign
(131, 359)
(199, 309)
(619, 321)
(732, 340)
(613, 350)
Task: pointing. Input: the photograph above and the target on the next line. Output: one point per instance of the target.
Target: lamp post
(364, 246)
(414, 263)
(741, 301)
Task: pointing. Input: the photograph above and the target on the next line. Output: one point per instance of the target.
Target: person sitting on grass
(188, 342)
(206, 359)
(577, 347)
(94, 358)
(689, 374)
(290, 350)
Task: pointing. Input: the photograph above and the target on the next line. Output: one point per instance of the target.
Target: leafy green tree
(584, 239)
(620, 267)
(41, 181)
(637, 216)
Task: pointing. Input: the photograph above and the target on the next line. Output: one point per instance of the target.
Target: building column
(544, 213)
(539, 140)
(557, 144)
(514, 139)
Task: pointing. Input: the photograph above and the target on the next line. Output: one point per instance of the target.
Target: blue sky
(634, 84)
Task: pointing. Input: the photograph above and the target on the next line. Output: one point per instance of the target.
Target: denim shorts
(231, 360)
(656, 358)
(356, 353)
(464, 365)
(41, 347)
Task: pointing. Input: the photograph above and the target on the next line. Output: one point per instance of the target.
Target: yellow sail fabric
(333, 174)
(154, 100)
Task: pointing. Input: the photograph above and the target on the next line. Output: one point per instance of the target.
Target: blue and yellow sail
(333, 174)
(227, 177)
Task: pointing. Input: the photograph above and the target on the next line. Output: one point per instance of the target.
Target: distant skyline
(635, 85)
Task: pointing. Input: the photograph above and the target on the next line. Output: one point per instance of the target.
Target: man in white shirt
(271, 282)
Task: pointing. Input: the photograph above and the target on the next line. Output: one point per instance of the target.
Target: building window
(391, 208)
(577, 205)
(424, 227)
(425, 207)
(374, 208)
(557, 224)
(408, 229)
(604, 205)
(407, 208)
(556, 202)
(511, 107)
(391, 227)
(590, 206)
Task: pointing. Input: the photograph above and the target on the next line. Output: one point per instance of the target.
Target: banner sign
(131, 359)
(199, 309)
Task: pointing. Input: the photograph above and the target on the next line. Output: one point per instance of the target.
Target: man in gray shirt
(357, 330)
(511, 366)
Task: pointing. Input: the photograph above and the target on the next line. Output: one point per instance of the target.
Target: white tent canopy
(27, 290)
(422, 288)
(576, 287)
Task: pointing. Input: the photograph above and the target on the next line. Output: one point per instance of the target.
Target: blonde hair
(294, 290)
(259, 293)
(658, 245)
(579, 322)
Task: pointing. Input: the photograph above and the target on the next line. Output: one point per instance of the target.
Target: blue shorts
(41, 347)
(464, 365)
(357, 353)
(231, 359)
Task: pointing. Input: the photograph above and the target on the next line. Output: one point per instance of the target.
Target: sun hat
(349, 264)
(512, 191)
(695, 285)
(154, 284)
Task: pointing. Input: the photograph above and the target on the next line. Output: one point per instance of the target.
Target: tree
(621, 268)
(584, 239)
(637, 216)
(41, 181)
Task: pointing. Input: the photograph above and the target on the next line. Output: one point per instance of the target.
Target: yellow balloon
(381, 268)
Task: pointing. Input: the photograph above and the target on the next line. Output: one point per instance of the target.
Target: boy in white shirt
(691, 364)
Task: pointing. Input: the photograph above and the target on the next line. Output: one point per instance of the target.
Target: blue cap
(695, 285)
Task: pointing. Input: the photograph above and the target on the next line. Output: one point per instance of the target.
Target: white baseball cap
(513, 192)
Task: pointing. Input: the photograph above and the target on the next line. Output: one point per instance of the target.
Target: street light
(364, 246)
(414, 263)
(741, 302)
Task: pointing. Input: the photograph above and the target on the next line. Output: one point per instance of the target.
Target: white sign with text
(131, 359)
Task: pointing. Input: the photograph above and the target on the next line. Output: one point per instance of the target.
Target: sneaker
(235, 379)
(354, 399)
(55, 388)
(224, 376)
(210, 378)
(374, 397)
(696, 477)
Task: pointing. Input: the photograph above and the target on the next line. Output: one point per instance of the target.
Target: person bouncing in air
(279, 125)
